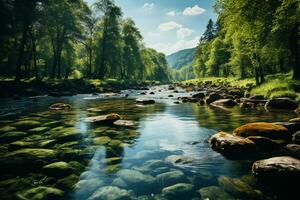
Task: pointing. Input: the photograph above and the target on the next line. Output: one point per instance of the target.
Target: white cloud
(184, 32)
(169, 48)
(169, 26)
(192, 11)
(171, 13)
(148, 6)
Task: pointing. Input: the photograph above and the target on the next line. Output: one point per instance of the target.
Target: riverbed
(165, 155)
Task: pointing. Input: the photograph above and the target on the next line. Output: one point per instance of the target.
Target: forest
(61, 39)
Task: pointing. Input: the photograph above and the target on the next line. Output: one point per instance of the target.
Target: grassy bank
(277, 85)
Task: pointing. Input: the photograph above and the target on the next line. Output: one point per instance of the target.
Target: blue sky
(169, 25)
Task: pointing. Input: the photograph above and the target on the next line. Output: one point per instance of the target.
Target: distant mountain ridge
(181, 58)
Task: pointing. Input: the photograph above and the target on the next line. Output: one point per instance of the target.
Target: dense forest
(251, 39)
(67, 38)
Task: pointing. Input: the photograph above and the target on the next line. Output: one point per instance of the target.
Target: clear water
(164, 131)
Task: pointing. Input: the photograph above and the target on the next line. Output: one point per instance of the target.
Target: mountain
(181, 58)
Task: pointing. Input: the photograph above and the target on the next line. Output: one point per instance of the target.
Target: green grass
(232, 81)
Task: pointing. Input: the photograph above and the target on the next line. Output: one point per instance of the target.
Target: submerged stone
(38, 130)
(144, 101)
(170, 178)
(263, 129)
(178, 191)
(5, 129)
(26, 124)
(94, 110)
(41, 193)
(68, 183)
(58, 169)
(60, 106)
(109, 119)
(179, 159)
(214, 193)
(110, 193)
(125, 123)
(112, 168)
(12, 136)
(102, 140)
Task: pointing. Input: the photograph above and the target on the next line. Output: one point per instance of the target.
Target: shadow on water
(168, 145)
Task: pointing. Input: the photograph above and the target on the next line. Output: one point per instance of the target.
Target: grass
(275, 86)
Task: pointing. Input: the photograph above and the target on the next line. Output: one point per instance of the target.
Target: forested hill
(181, 58)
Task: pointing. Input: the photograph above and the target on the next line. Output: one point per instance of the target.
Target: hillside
(181, 58)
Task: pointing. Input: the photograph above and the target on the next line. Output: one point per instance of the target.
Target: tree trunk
(34, 55)
(102, 64)
(53, 72)
(21, 52)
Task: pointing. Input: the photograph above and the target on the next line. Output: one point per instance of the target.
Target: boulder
(292, 127)
(257, 97)
(232, 147)
(282, 103)
(110, 193)
(41, 193)
(124, 123)
(68, 183)
(297, 111)
(263, 129)
(277, 171)
(295, 120)
(224, 103)
(178, 191)
(144, 101)
(5, 129)
(293, 150)
(296, 137)
(214, 193)
(103, 119)
(60, 106)
(58, 169)
(213, 97)
(170, 178)
(12, 136)
(95, 110)
(25, 125)
(102, 140)
(199, 95)
(265, 144)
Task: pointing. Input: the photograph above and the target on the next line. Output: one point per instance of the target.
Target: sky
(169, 25)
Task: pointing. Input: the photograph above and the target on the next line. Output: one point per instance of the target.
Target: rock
(297, 111)
(293, 150)
(151, 93)
(135, 178)
(58, 169)
(66, 134)
(24, 125)
(94, 110)
(213, 97)
(5, 129)
(144, 101)
(264, 143)
(68, 183)
(179, 159)
(296, 138)
(113, 160)
(237, 188)
(170, 95)
(12, 136)
(277, 171)
(170, 178)
(257, 97)
(112, 168)
(282, 103)
(60, 106)
(232, 147)
(125, 123)
(110, 193)
(38, 130)
(263, 129)
(85, 188)
(176, 102)
(103, 119)
(295, 120)
(292, 127)
(178, 191)
(224, 102)
(199, 95)
(171, 87)
(214, 193)
(102, 140)
(41, 193)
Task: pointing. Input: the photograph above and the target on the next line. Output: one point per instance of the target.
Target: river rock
(213, 97)
(277, 171)
(292, 127)
(110, 193)
(233, 147)
(144, 101)
(60, 106)
(66, 134)
(12, 136)
(179, 159)
(293, 150)
(224, 103)
(295, 120)
(5, 129)
(199, 95)
(25, 125)
(103, 119)
(102, 140)
(85, 188)
(124, 123)
(170, 178)
(282, 103)
(263, 129)
(135, 178)
(265, 144)
(41, 193)
(58, 169)
(296, 137)
(297, 111)
(68, 183)
(214, 193)
(178, 191)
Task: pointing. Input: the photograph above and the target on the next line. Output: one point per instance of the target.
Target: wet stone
(58, 169)
(41, 193)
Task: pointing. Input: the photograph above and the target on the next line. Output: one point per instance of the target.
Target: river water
(164, 156)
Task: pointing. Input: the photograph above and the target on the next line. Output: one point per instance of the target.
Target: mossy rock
(214, 193)
(58, 169)
(77, 167)
(115, 143)
(263, 129)
(68, 183)
(103, 119)
(5, 129)
(102, 140)
(178, 191)
(67, 134)
(60, 106)
(41, 193)
(26, 124)
(12, 136)
(52, 124)
(113, 160)
(38, 130)
(20, 144)
(112, 168)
